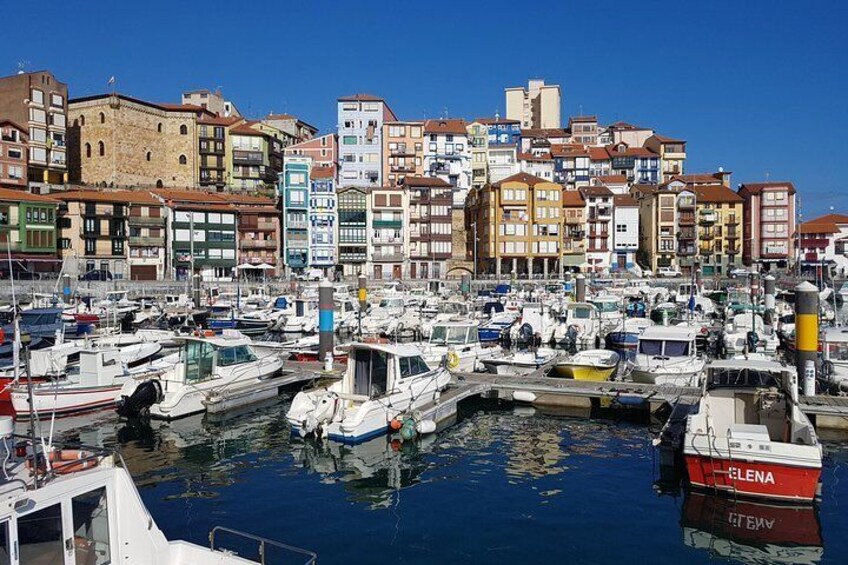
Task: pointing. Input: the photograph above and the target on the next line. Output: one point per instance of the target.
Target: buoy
(523, 396)
(395, 424)
(407, 431)
(453, 360)
(426, 427)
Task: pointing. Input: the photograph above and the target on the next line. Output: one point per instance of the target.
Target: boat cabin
(374, 370)
(668, 341)
(200, 356)
(454, 334)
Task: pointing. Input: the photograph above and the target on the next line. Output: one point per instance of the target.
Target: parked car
(96, 275)
(668, 272)
(738, 272)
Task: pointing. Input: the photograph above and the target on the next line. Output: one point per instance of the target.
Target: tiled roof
(246, 129)
(630, 151)
(115, 196)
(716, 193)
(206, 119)
(757, 187)
(599, 154)
(612, 179)
(625, 201)
(579, 119)
(531, 157)
(829, 223)
(525, 178)
(698, 178)
(644, 188)
(448, 125)
(624, 126)
(544, 132)
(6, 121)
(566, 150)
(426, 181)
(322, 173)
(664, 139)
(11, 195)
(595, 191)
(572, 199)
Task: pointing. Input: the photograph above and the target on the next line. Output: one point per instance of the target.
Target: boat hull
(757, 479)
(64, 401)
(583, 372)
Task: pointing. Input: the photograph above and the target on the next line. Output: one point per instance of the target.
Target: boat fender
(426, 427)
(630, 399)
(408, 429)
(453, 360)
(395, 424)
(67, 461)
(523, 396)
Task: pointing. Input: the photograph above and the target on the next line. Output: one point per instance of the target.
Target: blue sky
(756, 87)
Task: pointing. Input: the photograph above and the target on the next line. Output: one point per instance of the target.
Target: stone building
(116, 140)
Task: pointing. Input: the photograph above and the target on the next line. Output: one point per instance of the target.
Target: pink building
(323, 150)
(768, 223)
(13, 155)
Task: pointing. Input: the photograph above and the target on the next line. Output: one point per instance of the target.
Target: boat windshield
(742, 377)
(448, 335)
(582, 313)
(391, 303)
(198, 361)
(676, 348)
(661, 347)
(606, 306)
(650, 346)
(235, 355)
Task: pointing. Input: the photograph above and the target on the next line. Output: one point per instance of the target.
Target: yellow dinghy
(589, 365)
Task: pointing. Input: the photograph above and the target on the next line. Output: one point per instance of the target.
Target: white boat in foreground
(382, 383)
(520, 362)
(458, 344)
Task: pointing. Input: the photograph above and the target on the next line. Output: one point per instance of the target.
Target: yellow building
(719, 212)
(672, 154)
(519, 223)
(478, 140)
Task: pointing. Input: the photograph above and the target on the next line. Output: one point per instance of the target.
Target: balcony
(685, 203)
(296, 225)
(247, 157)
(402, 168)
(687, 218)
(146, 221)
(390, 258)
(147, 242)
(258, 243)
(708, 217)
(686, 234)
(732, 249)
(707, 235)
(732, 220)
(396, 224)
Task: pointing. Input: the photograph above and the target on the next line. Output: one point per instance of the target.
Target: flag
(111, 80)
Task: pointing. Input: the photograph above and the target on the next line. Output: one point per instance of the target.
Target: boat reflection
(751, 532)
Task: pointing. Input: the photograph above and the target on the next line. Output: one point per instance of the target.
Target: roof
(247, 129)
(115, 196)
(595, 191)
(195, 200)
(629, 151)
(495, 121)
(612, 179)
(7, 194)
(360, 97)
(400, 350)
(699, 178)
(758, 187)
(625, 201)
(599, 154)
(159, 105)
(572, 198)
(206, 119)
(15, 125)
(322, 173)
(625, 126)
(645, 188)
(426, 181)
(545, 157)
(568, 150)
(664, 139)
(829, 223)
(525, 178)
(280, 117)
(716, 193)
(579, 119)
(676, 333)
(448, 125)
(544, 132)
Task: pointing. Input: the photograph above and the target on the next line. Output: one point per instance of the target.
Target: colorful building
(323, 150)
(537, 106)
(769, 224)
(323, 220)
(294, 196)
(823, 243)
(599, 217)
(430, 226)
(258, 232)
(447, 155)
(671, 152)
(403, 151)
(360, 128)
(353, 230)
(388, 233)
(257, 157)
(27, 232)
(214, 151)
(573, 231)
(719, 214)
(478, 140)
(13, 155)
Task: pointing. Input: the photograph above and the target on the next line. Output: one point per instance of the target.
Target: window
(88, 150)
(349, 140)
(91, 528)
(37, 96)
(183, 159)
(101, 147)
(40, 536)
(82, 120)
(149, 154)
(183, 129)
(102, 118)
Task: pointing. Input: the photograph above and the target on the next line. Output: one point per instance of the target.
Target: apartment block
(293, 128)
(573, 231)
(599, 219)
(294, 196)
(353, 229)
(214, 102)
(14, 155)
(447, 155)
(719, 212)
(28, 231)
(537, 106)
(39, 103)
(323, 220)
(360, 129)
(823, 243)
(430, 226)
(403, 151)
(258, 232)
(769, 224)
(257, 157)
(672, 154)
(214, 150)
(478, 140)
(584, 129)
(388, 232)
(323, 150)
(625, 241)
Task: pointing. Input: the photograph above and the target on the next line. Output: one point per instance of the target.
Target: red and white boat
(749, 437)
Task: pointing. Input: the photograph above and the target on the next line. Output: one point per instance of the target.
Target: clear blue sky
(755, 87)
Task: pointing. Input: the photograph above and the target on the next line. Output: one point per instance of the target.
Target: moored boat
(589, 365)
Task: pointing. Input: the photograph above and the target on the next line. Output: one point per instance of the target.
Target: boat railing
(264, 543)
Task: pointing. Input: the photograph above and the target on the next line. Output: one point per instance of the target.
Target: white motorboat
(520, 362)
(579, 327)
(609, 310)
(382, 383)
(835, 353)
(458, 344)
(748, 435)
(83, 507)
(304, 319)
(208, 367)
(747, 332)
(450, 311)
(667, 355)
(99, 380)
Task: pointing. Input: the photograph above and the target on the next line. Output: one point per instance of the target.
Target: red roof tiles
(448, 125)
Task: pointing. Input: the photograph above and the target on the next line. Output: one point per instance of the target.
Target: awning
(261, 267)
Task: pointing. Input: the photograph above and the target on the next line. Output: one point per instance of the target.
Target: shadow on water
(502, 483)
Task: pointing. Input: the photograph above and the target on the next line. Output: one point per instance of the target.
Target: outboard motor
(139, 402)
(752, 340)
(571, 340)
(525, 333)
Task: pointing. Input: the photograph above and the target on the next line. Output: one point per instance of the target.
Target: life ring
(453, 360)
(67, 461)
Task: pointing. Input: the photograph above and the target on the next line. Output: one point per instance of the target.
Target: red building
(13, 155)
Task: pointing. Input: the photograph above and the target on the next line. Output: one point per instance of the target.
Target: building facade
(14, 155)
(258, 233)
(212, 101)
(294, 196)
(599, 235)
(478, 140)
(719, 214)
(447, 155)
(294, 129)
(537, 106)
(39, 103)
(625, 240)
(671, 152)
(823, 244)
(360, 128)
(573, 231)
(353, 230)
(403, 151)
(323, 150)
(323, 220)
(257, 157)
(388, 237)
(769, 224)
(28, 232)
(430, 226)
(214, 151)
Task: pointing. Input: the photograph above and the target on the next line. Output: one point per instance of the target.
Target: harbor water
(503, 484)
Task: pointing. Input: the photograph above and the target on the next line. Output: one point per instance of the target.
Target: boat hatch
(371, 372)
(667, 348)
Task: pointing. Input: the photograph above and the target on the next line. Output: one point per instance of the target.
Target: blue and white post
(325, 323)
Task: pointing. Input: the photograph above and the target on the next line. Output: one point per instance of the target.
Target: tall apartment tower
(536, 107)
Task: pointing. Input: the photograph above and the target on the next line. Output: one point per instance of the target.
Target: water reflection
(751, 532)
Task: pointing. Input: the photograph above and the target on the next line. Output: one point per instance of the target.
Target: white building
(447, 155)
(503, 162)
(541, 165)
(599, 217)
(625, 232)
(360, 127)
(824, 242)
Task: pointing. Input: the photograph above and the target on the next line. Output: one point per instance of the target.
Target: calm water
(501, 485)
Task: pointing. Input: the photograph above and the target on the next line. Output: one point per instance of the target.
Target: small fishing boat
(626, 337)
(589, 365)
(458, 344)
(492, 329)
(382, 383)
(667, 355)
(521, 362)
(749, 436)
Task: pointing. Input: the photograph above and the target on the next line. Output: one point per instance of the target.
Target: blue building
(294, 197)
(502, 131)
(323, 219)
